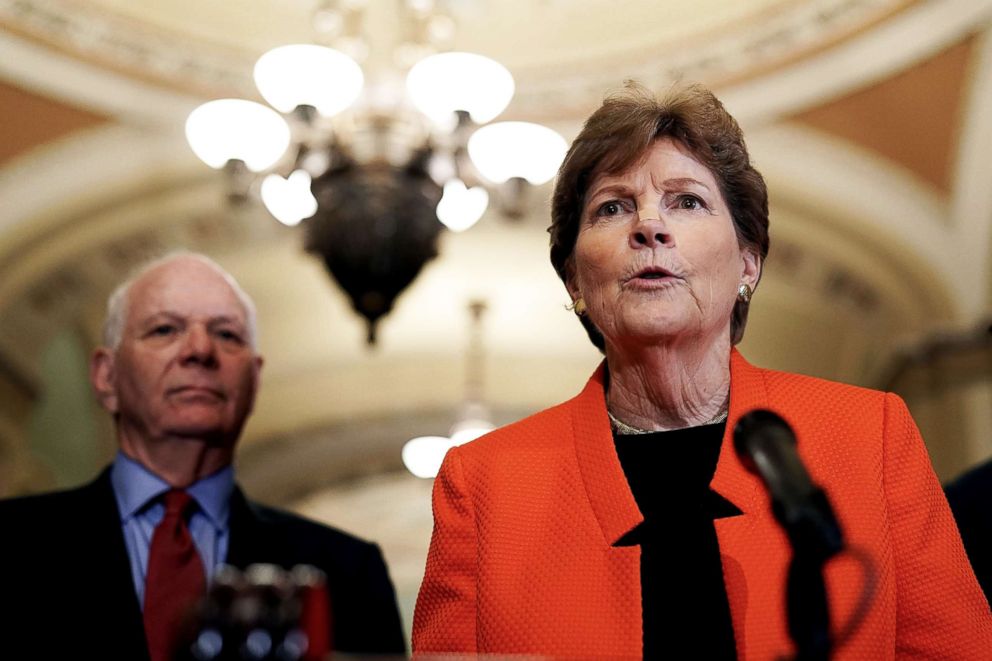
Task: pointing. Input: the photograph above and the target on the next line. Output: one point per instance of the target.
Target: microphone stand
(815, 538)
(767, 447)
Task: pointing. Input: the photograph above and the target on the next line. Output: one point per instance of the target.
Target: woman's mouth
(652, 278)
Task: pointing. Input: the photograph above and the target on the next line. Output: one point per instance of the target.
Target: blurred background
(871, 121)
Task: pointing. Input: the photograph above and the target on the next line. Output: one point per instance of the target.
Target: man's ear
(102, 378)
(257, 363)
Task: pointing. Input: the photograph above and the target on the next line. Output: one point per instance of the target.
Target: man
(106, 570)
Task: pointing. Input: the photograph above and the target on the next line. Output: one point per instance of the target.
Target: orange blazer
(523, 557)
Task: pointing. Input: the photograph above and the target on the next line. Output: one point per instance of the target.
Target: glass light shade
(445, 82)
(289, 200)
(234, 129)
(505, 150)
(423, 455)
(306, 74)
(461, 207)
(470, 433)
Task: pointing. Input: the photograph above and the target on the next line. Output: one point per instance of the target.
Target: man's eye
(163, 330)
(230, 335)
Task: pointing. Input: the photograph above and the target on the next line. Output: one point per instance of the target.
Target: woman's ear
(570, 281)
(752, 267)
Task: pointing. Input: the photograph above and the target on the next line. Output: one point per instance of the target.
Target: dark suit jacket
(970, 496)
(66, 588)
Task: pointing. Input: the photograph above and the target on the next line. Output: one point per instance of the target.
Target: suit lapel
(248, 543)
(108, 569)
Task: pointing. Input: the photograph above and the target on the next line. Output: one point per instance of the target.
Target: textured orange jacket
(522, 559)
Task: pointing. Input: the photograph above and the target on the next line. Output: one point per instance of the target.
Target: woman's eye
(611, 208)
(689, 202)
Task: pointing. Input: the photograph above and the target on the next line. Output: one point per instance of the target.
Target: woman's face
(656, 255)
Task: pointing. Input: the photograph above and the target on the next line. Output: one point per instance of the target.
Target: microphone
(766, 445)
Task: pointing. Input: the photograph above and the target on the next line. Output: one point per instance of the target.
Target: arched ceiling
(93, 95)
(865, 166)
(870, 119)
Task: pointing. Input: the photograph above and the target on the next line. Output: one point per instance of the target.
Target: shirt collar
(134, 486)
(213, 495)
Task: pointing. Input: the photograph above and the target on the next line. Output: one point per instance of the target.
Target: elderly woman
(621, 524)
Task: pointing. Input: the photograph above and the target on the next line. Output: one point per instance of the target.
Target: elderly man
(106, 570)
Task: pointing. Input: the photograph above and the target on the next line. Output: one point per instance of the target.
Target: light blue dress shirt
(136, 489)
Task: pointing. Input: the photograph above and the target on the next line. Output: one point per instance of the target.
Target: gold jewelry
(578, 306)
(623, 429)
(744, 293)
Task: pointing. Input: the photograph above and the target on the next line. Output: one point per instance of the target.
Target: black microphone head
(766, 445)
(753, 429)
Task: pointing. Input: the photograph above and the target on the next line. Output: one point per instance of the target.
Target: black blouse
(683, 597)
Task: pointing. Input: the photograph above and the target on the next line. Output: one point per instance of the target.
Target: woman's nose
(649, 232)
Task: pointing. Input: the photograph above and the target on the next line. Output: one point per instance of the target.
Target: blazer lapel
(602, 475)
(754, 551)
(755, 572)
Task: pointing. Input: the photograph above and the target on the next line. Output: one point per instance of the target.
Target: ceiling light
(382, 177)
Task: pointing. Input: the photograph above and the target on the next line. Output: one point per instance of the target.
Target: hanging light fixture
(422, 455)
(376, 174)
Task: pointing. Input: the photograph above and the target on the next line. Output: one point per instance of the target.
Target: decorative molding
(793, 32)
(880, 206)
(821, 275)
(104, 52)
(910, 36)
(91, 32)
(77, 167)
(119, 66)
(46, 71)
(971, 203)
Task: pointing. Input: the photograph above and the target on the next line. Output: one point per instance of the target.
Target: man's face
(184, 368)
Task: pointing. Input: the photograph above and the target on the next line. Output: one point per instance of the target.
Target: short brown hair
(617, 135)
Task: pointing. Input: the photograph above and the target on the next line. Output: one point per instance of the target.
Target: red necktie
(175, 579)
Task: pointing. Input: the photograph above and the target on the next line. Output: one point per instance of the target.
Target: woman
(621, 523)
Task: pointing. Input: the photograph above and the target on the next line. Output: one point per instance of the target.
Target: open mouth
(653, 273)
(652, 278)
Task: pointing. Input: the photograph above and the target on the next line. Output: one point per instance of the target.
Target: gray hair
(113, 324)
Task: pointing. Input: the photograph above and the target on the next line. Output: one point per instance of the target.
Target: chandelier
(373, 171)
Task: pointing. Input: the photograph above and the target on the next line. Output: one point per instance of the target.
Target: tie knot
(177, 503)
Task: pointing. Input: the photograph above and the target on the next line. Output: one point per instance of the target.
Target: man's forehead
(185, 288)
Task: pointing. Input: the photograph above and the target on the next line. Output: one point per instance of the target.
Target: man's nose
(650, 231)
(198, 346)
